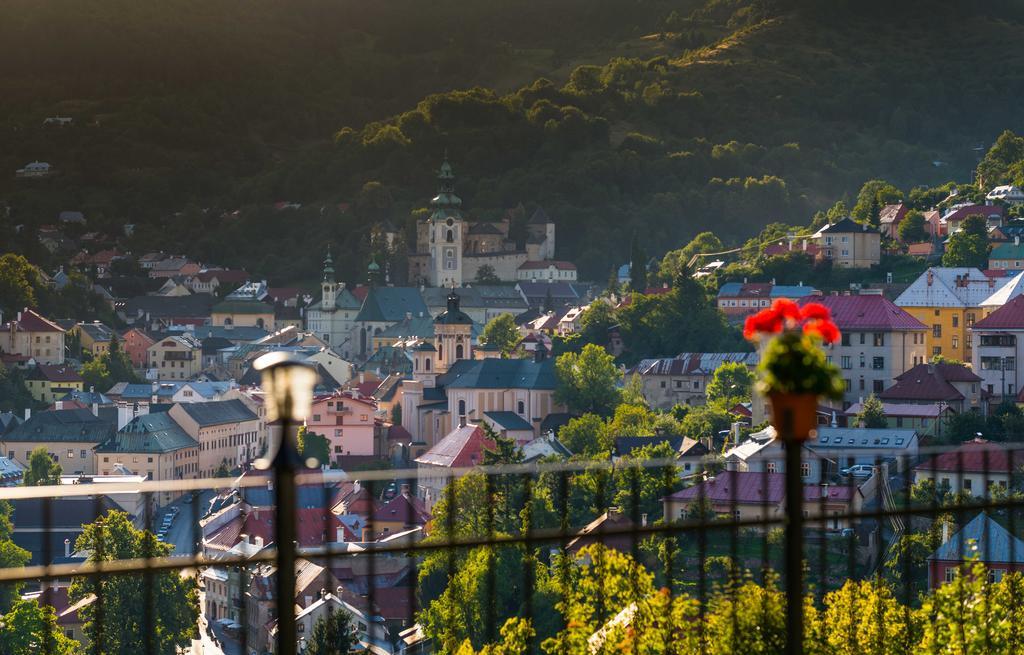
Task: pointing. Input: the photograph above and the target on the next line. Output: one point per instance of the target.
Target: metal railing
(722, 526)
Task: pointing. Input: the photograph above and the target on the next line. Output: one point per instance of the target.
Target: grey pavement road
(184, 530)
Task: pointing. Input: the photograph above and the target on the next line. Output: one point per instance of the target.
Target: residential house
(974, 467)
(161, 312)
(48, 383)
(369, 629)
(227, 432)
(347, 424)
(759, 496)
(947, 385)
(683, 380)
(462, 448)
(689, 453)
(999, 339)
(1007, 256)
(1008, 193)
(48, 536)
(955, 215)
(209, 281)
(173, 267)
(510, 426)
(982, 539)
(890, 217)
(570, 321)
(34, 169)
(879, 342)
(94, 337)
(849, 244)
(948, 301)
(845, 447)
(153, 445)
(177, 357)
(1004, 293)
(403, 512)
(550, 294)
(70, 435)
(927, 420)
(29, 334)
(549, 270)
(764, 453)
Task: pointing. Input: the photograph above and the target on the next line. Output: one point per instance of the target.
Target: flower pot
(794, 415)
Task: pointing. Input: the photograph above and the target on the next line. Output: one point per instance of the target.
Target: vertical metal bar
(148, 613)
(47, 561)
(371, 571)
(99, 556)
(794, 538)
(285, 464)
(490, 609)
(529, 571)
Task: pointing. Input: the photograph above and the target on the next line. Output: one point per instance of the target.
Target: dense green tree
(874, 195)
(12, 556)
(42, 469)
(587, 382)
(29, 628)
(501, 332)
(872, 413)
(595, 322)
(313, 446)
(118, 364)
(95, 374)
(675, 262)
(731, 382)
(912, 227)
(173, 598)
(865, 617)
(637, 266)
(18, 283)
(1004, 155)
(14, 394)
(587, 435)
(486, 275)
(969, 246)
(964, 426)
(707, 421)
(333, 634)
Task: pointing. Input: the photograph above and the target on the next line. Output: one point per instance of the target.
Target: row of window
(877, 386)
(846, 362)
(877, 338)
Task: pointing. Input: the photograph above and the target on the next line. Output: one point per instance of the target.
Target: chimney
(462, 421)
(945, 532)
(931, 277)
(67, 548)
(95, 408)
(58, 404)
(259, 542)
(643, 520)
(340, 537)
(28, 413)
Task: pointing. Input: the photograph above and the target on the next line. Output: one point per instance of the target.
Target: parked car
(859, 471)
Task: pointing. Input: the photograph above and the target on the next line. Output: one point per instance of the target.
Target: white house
(35, 169)
(1007, 193)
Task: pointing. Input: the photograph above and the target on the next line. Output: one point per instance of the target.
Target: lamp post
(288, 396)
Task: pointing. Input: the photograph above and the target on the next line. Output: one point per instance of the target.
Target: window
(899, 421)
(458, 351)
(862, 337)
(846, 339)
(861, 385)
(936, 350)
(878, 363)
(696, 385)
(950, 573)
(999, 340)
(863, 360)
(968, 484)
(316, 418)
(847, 362)
(805, 470)
(520, 408)
(878, 386)
(662, 384)
(956, 341)
(937, 330)
(956, 321)
(879, 339)
(462, 409)
(995, 575)
(426, 364)
(970, 319)
(679, 384)
(770, 466)
(450, 236)
(71, 454)
(848, 384)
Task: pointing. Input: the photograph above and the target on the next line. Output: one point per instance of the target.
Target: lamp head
(288, 382)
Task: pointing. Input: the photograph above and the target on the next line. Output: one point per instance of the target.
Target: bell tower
(453, 334)
(446, 231)
(329, 287)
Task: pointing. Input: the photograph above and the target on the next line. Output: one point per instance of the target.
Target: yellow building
(849, 244)
(252, 313)
(948, 301)
(49, 382)
(95, 337)
(177, 357)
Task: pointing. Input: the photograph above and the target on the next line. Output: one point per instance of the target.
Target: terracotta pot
(794, 415)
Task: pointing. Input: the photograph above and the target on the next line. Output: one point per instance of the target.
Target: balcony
(640, 552)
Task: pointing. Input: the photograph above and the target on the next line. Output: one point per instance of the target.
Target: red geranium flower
(787, 309)
(825, 329)
(815, 311)
(766, 321)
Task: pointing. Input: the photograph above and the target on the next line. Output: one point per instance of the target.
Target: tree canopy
(42, 469)
(501, 332)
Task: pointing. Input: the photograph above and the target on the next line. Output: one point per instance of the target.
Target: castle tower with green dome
(446, 231)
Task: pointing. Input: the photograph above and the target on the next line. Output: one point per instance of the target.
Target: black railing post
(285, 464)
(794, 538)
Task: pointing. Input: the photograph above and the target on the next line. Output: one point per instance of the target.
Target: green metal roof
(1007, 251)
(152, 433)
(218, 412)
(392, 304)
(509, 420)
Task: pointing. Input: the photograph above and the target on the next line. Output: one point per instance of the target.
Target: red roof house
(865, 312)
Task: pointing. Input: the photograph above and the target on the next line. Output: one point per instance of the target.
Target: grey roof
(483, 228)
(344, 299)
(97, 331)
(218, 412)
(845, 226)
(150, 433)
(540, 217)
(195, 305)
(8, 421)
(390, 304)
(233, 333)
(87, 397)
(544, 447)
(484, 296)
(509, 421)
(873, 438)
(417, 326)
(62, 425)
(495, 373)
(949, 287)
(983, 537)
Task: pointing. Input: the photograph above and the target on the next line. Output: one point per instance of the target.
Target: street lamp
(288, 383)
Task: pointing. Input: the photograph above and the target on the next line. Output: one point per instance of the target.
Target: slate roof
(553, 422)
(930, 382)
(976, 456)
(462, 447)
(493, 373)
(509, 421)
(453, 315)
(87, 398)
(54, 373)
(1008, 317)
(483, 228)
(150, 433)
(408, 510)
(96, 331)
(233, 333)
(984, 537)
(539, 217)
(197, 305)
(692, 363)
(537, 292)
(866, 312)
(8, 420)
(30, 321)
(547, 263)
(853, 438)
(949, 287)
(62, 425)
(846, 226)
(218, 412)
(390, 304)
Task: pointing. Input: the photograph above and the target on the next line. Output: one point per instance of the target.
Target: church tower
(329, 287)
(453, 336)
(446, 231)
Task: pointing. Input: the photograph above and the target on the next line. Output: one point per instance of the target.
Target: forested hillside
(618, 116)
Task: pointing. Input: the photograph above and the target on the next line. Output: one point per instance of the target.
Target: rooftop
(948, 287)
(218, 412)
(62, 425)
(866, 312)
(150, 433)
(983, 537)
(462, 447)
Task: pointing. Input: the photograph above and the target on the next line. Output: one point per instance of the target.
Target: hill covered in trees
(661, 119)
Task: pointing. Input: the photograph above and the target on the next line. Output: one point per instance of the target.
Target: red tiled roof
(920, 249)
(311, 524)
(405, 509)
(752, 488)
(866, 312)
(462, 447)
(398, 433)
(1008, 317)
(977, 456)
(974, 210)
(30, 321)
(892, 213)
